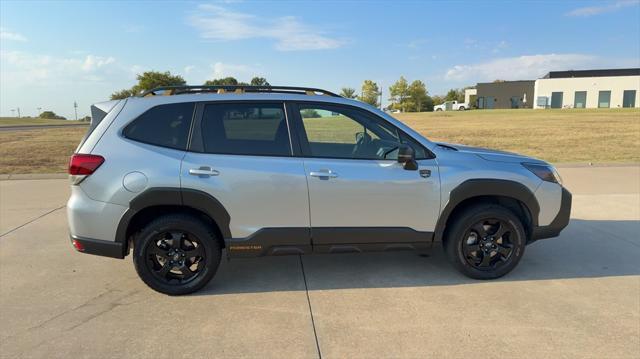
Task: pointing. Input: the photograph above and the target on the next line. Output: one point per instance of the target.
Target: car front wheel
(485, 241)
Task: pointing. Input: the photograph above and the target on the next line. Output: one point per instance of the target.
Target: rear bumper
(98, 247)
(558, 223)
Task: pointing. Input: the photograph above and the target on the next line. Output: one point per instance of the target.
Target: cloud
(5, 34)
(221, 69)
(187, 69)
(290, 34)
(23, 67)
(597, 10)
(529, 67)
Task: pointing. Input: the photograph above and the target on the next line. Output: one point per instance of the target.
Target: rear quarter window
(164, 125)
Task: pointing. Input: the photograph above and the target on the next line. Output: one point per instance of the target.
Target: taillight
(77, 245)
(84, 165)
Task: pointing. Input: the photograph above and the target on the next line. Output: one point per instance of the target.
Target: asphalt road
(576, 296)
(39, 127)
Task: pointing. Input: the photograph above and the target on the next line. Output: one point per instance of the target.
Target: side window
(338, 132)
(245, 129)
(164, 125)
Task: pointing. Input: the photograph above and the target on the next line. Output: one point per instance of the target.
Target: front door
(358, 192)
(242, 156)
(556, 100)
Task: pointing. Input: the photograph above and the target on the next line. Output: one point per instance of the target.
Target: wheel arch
(509, 194)
(155, 202)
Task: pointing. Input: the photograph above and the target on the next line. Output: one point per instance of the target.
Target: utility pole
(18, 112)
(39, 108)
(75, 109)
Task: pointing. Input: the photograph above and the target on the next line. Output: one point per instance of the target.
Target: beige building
(611, 88)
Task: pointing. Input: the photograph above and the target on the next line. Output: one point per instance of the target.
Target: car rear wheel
(485, 241)
(176, 254)
(461, 108)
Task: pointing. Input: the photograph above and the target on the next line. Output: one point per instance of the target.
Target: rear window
(246, 129)
(164, 125)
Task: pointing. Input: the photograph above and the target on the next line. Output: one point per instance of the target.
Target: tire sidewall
(179, 223)
(470, 217)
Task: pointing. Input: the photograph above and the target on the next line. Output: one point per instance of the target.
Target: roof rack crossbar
(177, 90)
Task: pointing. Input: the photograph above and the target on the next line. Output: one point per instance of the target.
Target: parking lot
(576, 296)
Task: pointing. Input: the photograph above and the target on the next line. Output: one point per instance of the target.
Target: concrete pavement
(576, 296)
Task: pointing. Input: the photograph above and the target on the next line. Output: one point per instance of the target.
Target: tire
(176, 254)
(468, 249)
(461, 108)
(439, 109)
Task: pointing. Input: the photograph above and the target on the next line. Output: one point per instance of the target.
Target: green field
(32, 121)
(558, 136)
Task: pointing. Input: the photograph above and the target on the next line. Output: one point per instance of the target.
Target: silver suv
(181, 173)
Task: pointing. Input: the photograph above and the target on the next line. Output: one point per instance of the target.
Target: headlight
(544, 172)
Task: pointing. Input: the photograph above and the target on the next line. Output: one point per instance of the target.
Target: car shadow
(585, 249)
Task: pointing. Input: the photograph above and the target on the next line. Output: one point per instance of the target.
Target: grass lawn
(554, 135)
(30, 121)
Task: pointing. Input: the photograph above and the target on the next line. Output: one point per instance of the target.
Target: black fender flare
(487, 187)
(169, 196)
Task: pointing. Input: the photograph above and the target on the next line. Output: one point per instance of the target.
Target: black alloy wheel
(175, 257)
(176, 254)
(487, 245)
(485, 241)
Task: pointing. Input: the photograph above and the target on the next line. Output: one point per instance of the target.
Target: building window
(629, 98)
(604, 99)
(556, 100)
(580, 99)
(542, 101)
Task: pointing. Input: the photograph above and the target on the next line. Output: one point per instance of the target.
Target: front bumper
(558, 223)
(98, 247)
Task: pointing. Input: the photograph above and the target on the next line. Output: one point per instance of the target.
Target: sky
(53, 54)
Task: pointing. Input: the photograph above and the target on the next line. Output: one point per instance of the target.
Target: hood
(489, 154)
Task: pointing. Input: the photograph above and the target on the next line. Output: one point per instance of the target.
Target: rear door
(359, 193)
(241, 153)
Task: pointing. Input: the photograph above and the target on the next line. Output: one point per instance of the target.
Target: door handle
(323, 173)
(203, 171)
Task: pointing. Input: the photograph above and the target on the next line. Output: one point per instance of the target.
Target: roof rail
(238, 89)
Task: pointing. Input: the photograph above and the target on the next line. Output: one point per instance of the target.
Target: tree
(399, 92)
(455, 95)
(51, 115)
(226, 81)
(419, 99)
(124, 93)
(348, 92)
(85, 119)
(149, 80)
(310, 113)
(259, 81)
(370, 93)
(437, 100)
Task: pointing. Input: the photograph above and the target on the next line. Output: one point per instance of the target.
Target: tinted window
(337, 132)
(245, 129)
(604, 99)
(164, 125)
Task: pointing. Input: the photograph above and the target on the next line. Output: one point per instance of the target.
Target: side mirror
(407, 156)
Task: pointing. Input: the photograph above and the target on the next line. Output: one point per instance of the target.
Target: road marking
(313, 323)
(31, 221)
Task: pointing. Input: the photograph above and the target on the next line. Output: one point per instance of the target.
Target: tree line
(404, 96)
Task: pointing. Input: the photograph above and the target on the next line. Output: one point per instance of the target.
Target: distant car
(183, 173)
(451, 106)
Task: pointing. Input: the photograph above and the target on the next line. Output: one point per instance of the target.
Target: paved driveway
(577, 296)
